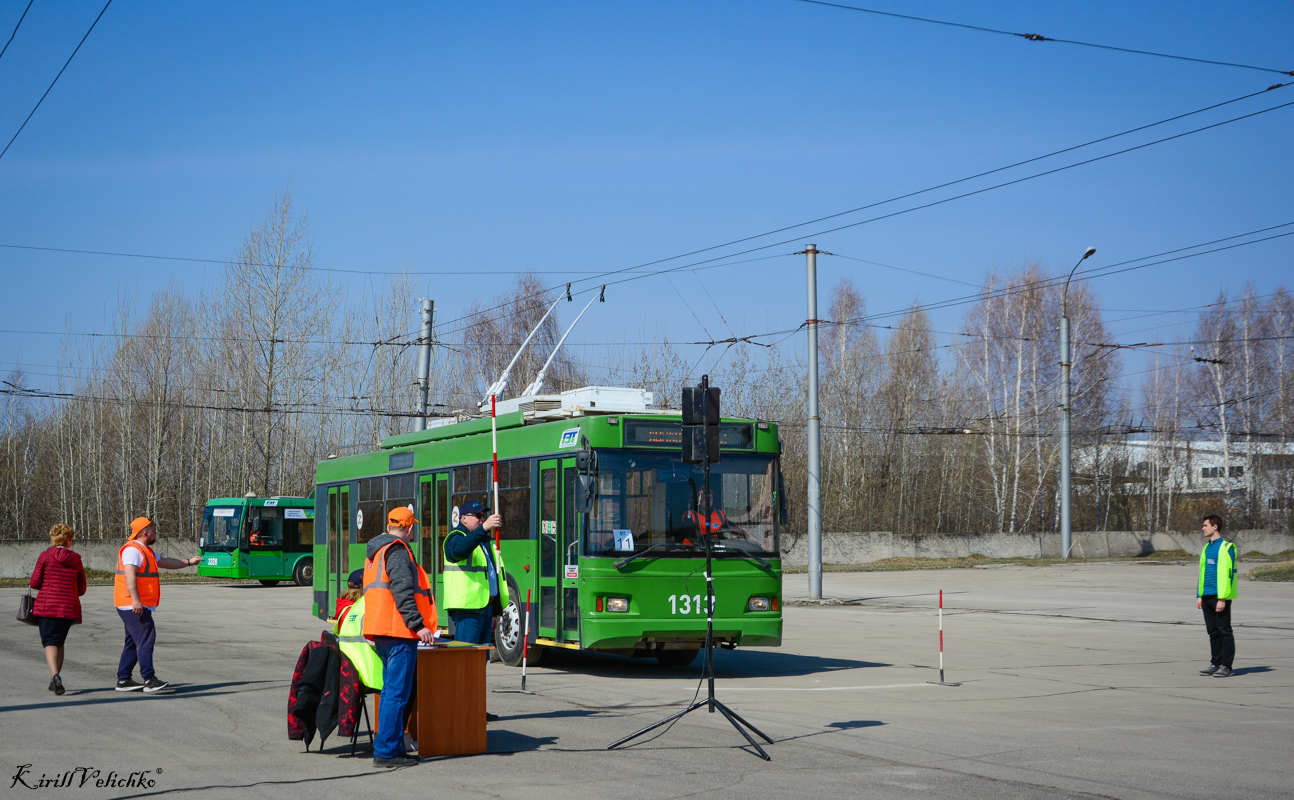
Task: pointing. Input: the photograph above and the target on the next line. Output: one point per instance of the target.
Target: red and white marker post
(525, 641)
(494, 443)
(941, 681)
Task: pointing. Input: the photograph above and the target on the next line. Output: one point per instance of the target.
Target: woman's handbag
(27, 609)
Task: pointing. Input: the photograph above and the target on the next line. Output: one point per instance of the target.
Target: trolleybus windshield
(220, 527)
(647, 500)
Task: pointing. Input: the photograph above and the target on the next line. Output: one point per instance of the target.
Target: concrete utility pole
(813, 432)
(1065, 364)
(424, 364)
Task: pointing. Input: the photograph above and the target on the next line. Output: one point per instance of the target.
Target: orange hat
(401, 517)
(138, 525)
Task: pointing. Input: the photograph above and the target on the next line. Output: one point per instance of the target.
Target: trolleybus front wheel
(507, 637)
(304, 574)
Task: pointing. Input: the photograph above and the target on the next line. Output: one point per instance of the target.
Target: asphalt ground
(1076, 681)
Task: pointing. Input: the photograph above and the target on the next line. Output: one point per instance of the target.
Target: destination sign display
(653, 433)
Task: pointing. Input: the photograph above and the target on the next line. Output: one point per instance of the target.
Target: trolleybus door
(433, 514)
(338, 543)
(558, 552)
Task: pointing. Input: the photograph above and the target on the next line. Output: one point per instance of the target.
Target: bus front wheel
(304, 574)
(508, 635)
(675, 658)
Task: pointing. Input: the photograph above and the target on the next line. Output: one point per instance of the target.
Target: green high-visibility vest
(360, 651)
(467, 584)
(1226, 571)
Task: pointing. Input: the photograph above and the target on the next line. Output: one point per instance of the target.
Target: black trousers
(1222, 644)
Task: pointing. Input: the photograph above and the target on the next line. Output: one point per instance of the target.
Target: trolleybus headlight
(758, 604)
(620, 604)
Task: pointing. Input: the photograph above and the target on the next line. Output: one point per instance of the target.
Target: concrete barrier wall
(864, 548)
(18, 558)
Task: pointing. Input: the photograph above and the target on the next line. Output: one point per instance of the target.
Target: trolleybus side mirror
(585, 488)
(586, 461)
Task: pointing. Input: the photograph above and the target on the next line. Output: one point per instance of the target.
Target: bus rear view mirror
(585, 487)
(586, 461)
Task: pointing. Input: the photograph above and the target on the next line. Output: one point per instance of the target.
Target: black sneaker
(1223, 672)
(395, 761)
(1212, 669)
(129, 685)
(154, 684)
(56, 685)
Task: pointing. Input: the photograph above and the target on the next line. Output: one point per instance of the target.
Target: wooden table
(450, 716)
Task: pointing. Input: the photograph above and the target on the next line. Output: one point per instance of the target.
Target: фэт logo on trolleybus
(599, 539)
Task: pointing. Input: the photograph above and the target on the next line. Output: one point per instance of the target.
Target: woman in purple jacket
(60, 579)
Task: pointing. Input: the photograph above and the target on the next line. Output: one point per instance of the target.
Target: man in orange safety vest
(400, 611)
(136, 591)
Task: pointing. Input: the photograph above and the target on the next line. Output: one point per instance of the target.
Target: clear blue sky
(592, 136)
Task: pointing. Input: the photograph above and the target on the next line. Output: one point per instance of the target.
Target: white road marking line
(731, 688)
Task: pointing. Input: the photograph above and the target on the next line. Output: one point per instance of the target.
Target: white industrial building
(1198, 468)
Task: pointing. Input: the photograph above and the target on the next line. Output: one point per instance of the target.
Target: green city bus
(270, 539)
(626, 576)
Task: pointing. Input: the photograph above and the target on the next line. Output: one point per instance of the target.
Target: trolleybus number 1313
(689, 604)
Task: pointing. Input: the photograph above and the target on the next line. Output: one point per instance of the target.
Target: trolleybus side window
(371, 507)
(399, 492)
(514, 498)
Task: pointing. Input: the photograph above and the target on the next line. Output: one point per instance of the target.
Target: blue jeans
(399, 656)
(141, 634)
(473, 625)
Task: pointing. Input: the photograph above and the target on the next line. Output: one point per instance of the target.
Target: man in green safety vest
(1216, 590)
(476, 587)
(360, 651)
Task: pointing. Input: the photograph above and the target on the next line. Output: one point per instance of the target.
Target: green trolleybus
(270, 539)
(625, 576)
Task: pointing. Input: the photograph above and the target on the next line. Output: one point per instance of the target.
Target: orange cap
(138, 525)
(401, 517)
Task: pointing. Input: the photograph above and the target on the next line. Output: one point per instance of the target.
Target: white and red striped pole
(525, 641)
(941, 635)
(941, 681)
(494, 443)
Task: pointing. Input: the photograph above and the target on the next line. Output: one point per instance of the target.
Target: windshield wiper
(621, 563)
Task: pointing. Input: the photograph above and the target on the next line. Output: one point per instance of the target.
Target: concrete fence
(18, 557)
(864, 548)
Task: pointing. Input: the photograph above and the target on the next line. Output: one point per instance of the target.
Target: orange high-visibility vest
(381, 616)
(147, 582)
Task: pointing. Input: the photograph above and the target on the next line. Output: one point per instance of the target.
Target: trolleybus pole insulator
(701, 415)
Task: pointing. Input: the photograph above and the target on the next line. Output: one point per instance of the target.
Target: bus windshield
(220, 527)
(647, 500)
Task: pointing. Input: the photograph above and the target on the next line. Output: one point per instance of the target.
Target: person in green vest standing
(476, 588)
(1216, 590)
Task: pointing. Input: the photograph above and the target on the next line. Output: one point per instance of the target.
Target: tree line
(923, 431)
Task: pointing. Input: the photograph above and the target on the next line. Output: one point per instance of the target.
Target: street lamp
(1065, 531)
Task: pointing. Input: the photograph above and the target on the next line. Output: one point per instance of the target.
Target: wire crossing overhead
(1038, 37)
(56, 77)
(5, 49)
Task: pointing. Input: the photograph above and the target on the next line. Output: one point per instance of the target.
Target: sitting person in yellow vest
(399, 611)
(136, 591)
(355, 646)
(476, 587)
